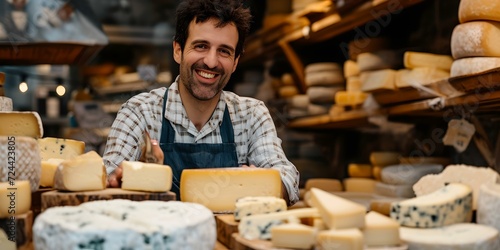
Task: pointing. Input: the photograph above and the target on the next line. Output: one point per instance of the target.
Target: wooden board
(23, 229)
(61, 198)
(36, 200)
(226, 226)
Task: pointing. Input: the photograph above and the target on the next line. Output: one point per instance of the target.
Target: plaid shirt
(255, 134)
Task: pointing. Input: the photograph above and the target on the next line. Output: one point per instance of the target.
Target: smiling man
(195, 123)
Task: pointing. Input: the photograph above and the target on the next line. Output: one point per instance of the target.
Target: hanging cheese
(378, 80)
(420, 76)
(378, 60)
(408, 174)
(360, 170)
(219, 188)
(149, 177)
(60, 148)
(362, 185)
(21, 124)
(15, 198)
(384, 158)
(351, 239)
(449, 205)
(473, 65)
(351, 69)
(380, 230)
(473, 10)
(293, 235)
(473, 39)
(20, 160)
(326, 184)
(413, 59)
(252, 205)
(488, 204)
(5, 103)
(49, 168)
(462, 236)
(82, 173)
(472, 176)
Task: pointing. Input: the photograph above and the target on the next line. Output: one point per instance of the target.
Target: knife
(150, 158)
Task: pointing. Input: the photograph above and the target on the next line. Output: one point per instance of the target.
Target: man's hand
(115, 178)
(157, 153)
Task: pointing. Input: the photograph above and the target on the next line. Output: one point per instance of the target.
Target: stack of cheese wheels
(439, 217)
(297, 103)
(360, 178)
(125, 224)
(323, 81)
(422, 69)
(474, 42)
(331, 222)
(378, 70)
(352, 96)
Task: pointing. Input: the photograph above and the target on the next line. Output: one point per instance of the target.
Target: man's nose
(211, 59)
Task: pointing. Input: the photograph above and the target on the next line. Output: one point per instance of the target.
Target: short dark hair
(226, 11)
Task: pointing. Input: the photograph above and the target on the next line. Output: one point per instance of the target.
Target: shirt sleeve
(265, 150)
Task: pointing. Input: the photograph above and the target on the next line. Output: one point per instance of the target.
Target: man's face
(208, 59)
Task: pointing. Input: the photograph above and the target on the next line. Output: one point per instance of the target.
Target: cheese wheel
(21, 124)
(419, 76)
(351, 69)
(5, 104)
(321, 94)
(473, 10)
(378, 60)
(378, 80)
(408, 174)
(473, 65)
(15, 198)
(488, 203)
(287, 79)
(474, 39)
(20, 160)
(461, 236)
(321, 67)
(413, 59)
(298, 101)
(324, 78)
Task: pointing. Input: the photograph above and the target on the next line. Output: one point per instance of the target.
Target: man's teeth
(206, 75)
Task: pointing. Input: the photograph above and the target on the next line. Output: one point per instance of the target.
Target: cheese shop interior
(342, 79)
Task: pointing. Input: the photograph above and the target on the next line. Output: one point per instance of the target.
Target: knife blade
(148, 153)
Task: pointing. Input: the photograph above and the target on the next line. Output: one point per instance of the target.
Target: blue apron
(181, 156)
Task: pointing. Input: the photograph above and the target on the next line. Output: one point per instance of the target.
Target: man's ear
(177, 52)
(236, 63)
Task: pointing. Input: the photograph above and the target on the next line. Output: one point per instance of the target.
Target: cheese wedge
(60, 148)
(149, 177)
(49, 168)
(380, 230)
(83, 173)
(413, 59)
(360, 170)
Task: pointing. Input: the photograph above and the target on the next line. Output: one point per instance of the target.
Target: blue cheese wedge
(448, 205)
(251, 205)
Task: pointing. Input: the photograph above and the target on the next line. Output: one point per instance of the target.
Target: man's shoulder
(152, 96)
(234, 99)
(244, 105)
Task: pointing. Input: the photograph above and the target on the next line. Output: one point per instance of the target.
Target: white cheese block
(359, 185)
(292, 235)
(61, 148)
(346, 239)
(462, 236)
(149, 177)
(322, 94)
(259, 226)
(324, 78)
(408, 174)
(473, 10)
(322, 67)
(298, 101)
(251, 205)
(14, 199)
(378, 80)
(413, 59)
(353, 84)
(449, 205)
(288, 91)
(344, 98)
(378, 60)
(351, 68)
(360, 170)
(125, 224)
(380, 230)
(5, 104)
(219, 188)
(488, 203)
(472, 176)
(82, 173)
(20, 160)
(398, 191)
(337, 212)
(419, 76)
(5, 243)
(384, 158)
(473, 65)
(21, 124)
(49, 168)
(477, 38)
(326, 184)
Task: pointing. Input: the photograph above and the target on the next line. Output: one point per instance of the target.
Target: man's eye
(200, 46)
(225, 52)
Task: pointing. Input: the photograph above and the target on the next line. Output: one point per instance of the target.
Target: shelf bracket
(297, 65)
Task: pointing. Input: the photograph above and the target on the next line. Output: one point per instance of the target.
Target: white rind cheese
(473, 10)
(247, 206)
(472, 176)
(324, 78)
(408, 174)
(473, 39)
(5, 103)
(321, 67)
(124, 224)
(21, 124)
(462, 236)
(473, 65)
(60, 148)
(488, 204)
(323, 94)
(20, 160)
(448, 205)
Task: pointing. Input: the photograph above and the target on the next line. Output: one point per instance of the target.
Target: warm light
(23, 87)
(60, 90)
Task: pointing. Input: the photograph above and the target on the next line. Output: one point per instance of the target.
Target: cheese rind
(473, 10)
(380, 230)
(49, 168)
(448, 205)
(351, 238)
(488, 203)
(5, 103)
(51, 147)
(292, 235)
(413, 59)
(477, 38)
(142, 176)
(125, 224)
(83, 173)
(20, 160)
(219, 188)
(14, 199)
(408, 174)
(461, 236)
(473, 65)
(21, 124)
(337, 212)
(248, 206)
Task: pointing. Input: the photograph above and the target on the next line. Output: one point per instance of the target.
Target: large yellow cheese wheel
(474, 10)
